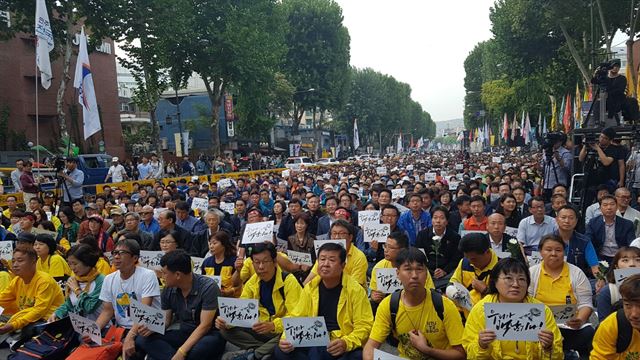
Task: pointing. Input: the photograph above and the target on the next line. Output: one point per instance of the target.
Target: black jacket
(449, 254)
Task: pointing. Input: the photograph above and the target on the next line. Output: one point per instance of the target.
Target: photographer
(556, 163)
(609, 165)
(609, 79)
(72, 178)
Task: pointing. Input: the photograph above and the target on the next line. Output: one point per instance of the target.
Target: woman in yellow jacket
(509, 283)
(48, 261)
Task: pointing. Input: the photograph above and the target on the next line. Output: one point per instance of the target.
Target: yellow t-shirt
(356, 266)
(54, 265)
(555, 291)
(31, 302)
(439, 334)
(386, 264)
(604, 342)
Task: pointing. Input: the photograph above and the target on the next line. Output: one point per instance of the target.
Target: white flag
(83, 81)
(44, 43)
(356, 136)
(399, 146)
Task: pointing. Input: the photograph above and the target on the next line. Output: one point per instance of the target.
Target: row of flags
(399, 145)
(83, 80)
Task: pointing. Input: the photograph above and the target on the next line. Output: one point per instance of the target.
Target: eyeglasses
(510, 280)
(120, 252)
(341, 233)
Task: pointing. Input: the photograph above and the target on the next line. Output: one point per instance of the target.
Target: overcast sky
(419, 42)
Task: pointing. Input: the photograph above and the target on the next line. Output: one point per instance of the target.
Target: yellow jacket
(284, 308)
(604, 342)
(465, 273)
(504, 349)
(31, 302)
(356, 265)
(354, 311)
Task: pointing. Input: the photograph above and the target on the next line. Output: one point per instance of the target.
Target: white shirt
(592, 211)
(631, 214)
(117, 173)
(142, 284)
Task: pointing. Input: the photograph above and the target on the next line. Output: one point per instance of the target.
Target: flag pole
(37, 113)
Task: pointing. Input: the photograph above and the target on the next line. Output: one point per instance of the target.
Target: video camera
(59, 163)
(602, 72)
(550, 139)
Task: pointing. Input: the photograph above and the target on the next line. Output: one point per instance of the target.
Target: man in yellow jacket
(31, 297)
(277, 293)
(343, 303)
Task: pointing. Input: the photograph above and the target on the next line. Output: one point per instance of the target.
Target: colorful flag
(515, 126)
(578, 108)
(399, 145)
(526, 129)
(356, 136)
(554, 113)
(505, 127)
(544, 126)
(44, 43)
(83, 81)
(566, 118)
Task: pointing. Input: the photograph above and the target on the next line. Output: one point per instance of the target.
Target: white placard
(409, 168)
(286, 173)
(199, 203)
(453, 185)
(6, 250)
(518, 322)
(152, 318)
(224, 183)
(229, 208)
(123, 207)
(300, 258)
(535, 258)
(465, 232)
(150, 259)
(86, 327)
(387, 280)
(430, 176)
(459, 166)
(318, 243)
(381, 355)
(157, 212)
(282, 245)
(258, 233)
(502, 254)
(512, 231)
(368, 217)
(496, 159)
(377, 232)
(238, 312)
(506, 166)
(197, 264)
(564, 313)
(620, 275)
(460, 295)
(306, 331)
(49, 214)
(381, 170)
(398, 193)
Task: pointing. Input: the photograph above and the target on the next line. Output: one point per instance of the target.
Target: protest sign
(318, 243)
(377, 232)
(496, 159)
(150, 259)
(563, 313)
(197, 264)
(6, 250)
(306, 331)
(229, 208)
(430, 176)
(282, 245)
(409, 168)
(300, 258)
(238, 312)
(381, 170)
(152, 318)
(224, 183)
(453, 185)
(398, 193)
(381, 355)
(86, 327)
(518, 322)
(286, 173)
(368, 217)
(157, 212)
(258, 233)
(201, 204)
(620, 275)
(387, 280)
(459, 166)
(511, 231)
(460, 295)
(535, 258)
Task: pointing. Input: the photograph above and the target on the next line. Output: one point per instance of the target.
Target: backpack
(54, 343)
(625, 332)
(394, 306)
(110, 349)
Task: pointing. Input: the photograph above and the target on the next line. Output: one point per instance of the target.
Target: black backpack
(394, 306)
(54, 343)
(625, 332)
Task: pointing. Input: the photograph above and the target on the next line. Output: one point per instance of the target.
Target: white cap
(115, 159)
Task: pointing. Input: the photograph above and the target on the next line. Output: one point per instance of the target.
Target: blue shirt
(562, 171)
(187, 223)
(530, 233)
(412, 226)
(143, 170)
(74, 187)
(153, 228)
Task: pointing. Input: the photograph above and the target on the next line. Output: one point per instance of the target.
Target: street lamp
(179, 118)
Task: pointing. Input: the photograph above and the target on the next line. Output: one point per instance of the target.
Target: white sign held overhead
(6, 250)
(368, 217)
(620, 275)
(200, 204)
(398, 193)
(563, 313)
(318, 243)
(496, 159)
(150, 259)
(381, 170)
(430, 176)
(229, 208)
(300, 258)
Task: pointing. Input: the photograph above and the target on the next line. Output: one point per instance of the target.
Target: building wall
(17, 90)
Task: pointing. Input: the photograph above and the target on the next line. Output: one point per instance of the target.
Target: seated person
(618, 336)
(221, 263)
(474, 269)
(190, 302)
(438, 334)
(277, 293)
(609, 299)
(349, 328)
(127, 282)
(83, 288)
(31, 297)
(48, 260)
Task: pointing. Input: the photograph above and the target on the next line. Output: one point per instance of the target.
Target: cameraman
(73, 179)
(615, 84)
(556, 163)
(609, 166)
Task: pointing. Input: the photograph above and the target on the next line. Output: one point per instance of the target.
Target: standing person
(609, 164)
(556, 164)
(17, 173)
(116, 172)
(144, 169)
(73, 179)
(28, 183)
(156, 168)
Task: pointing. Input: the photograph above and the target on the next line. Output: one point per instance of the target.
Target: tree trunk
(603, 24)
(215, 94)
(297, 118)
(66, 58)
(574, 53)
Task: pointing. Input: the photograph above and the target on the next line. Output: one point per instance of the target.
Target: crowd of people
(463, 232)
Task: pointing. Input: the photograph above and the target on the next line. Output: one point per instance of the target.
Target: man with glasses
(149, 223)
(132, 226)
(128, 282)
(623, 196)
(277, 293)
(167, 221)
(356, 261)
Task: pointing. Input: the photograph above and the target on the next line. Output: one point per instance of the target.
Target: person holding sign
(82, 293)
(302, 241)
(556, 282)
(190, 302)
(31, 297)
(128, 282)
(221, 263)
(48, 260)
(277, 293)
(618, 336)
(341, 300)
(422, 328)
(356, 265)
(609, 299)
(508, 283)
(415, 220)
(474, 270)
